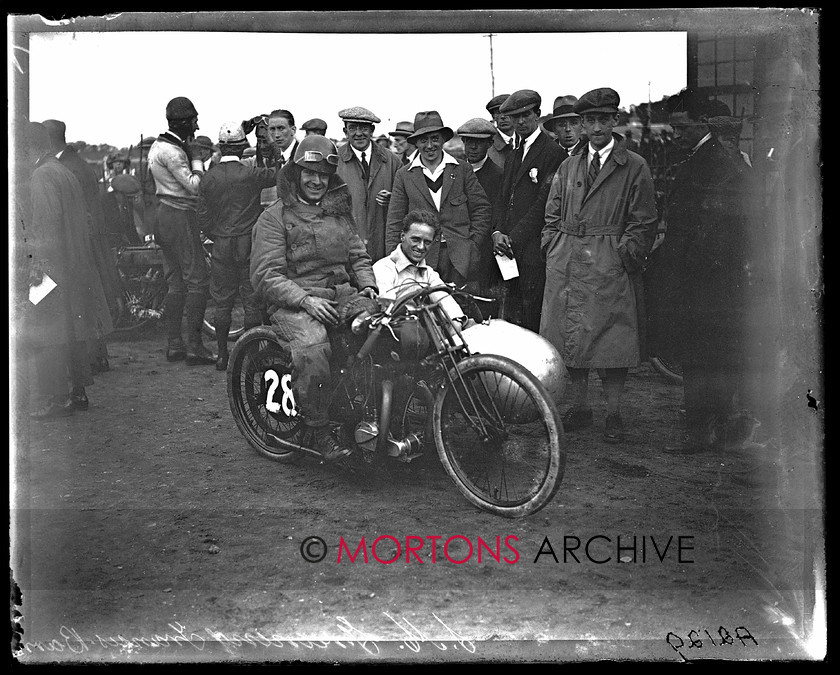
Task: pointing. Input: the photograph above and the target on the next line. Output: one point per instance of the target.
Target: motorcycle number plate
(287, 404)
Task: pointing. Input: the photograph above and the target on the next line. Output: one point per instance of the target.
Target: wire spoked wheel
(669, 369)
(499, 436)
(237, 320)
(260, 395)
(141, 301)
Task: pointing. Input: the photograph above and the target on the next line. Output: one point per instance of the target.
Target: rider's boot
(176, 350)
(197, 353)
(327, 444)
(222, 330)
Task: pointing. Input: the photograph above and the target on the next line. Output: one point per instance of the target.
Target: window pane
(706, 75)
(744, 48)
(725, 49)
(706, 51)
(725, 73)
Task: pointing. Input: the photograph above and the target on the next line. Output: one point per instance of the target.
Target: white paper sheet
(42, 290)
(507, 266)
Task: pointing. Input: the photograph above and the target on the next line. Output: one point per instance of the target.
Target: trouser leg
(309, 344)
(579, 385)
(78, 365)
(613, 380)
(51, 371)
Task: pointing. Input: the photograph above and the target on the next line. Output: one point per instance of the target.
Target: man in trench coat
(75, 311)
(600, 221)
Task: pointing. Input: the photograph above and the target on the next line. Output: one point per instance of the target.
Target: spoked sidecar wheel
(499, 436)
(260, 395)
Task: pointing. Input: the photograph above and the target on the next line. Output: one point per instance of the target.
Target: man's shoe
(614, 429)
(328, 446)
(199, 355)
(79, 399)
(54, 409)
(176, 351)
(577, 417)
(222, 362)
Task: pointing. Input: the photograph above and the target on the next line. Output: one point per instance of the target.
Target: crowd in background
(623, 242)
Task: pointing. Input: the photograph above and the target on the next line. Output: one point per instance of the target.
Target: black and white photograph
(416, 336)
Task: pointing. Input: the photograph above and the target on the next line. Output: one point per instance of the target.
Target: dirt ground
(147, 529)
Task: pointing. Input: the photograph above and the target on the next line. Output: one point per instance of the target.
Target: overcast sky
(113, 87)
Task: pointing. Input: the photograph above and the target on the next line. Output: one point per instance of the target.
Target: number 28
(287, 403)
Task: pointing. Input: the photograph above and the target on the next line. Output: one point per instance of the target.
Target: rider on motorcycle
(306, 262)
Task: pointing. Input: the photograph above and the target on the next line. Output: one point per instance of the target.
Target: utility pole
(492, 76)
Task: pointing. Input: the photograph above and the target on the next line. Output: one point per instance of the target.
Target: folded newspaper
(507, 266)
(42, 290)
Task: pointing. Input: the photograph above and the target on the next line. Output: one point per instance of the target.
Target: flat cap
(403, 129)
(477, 128)
(204, 142)
(315, 124)
(520, 101)
(603, 100)
(358, 114)
(496, 102)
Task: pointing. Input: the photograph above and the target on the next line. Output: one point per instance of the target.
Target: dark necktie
(518, 154)
(365, 168)
(592, 174)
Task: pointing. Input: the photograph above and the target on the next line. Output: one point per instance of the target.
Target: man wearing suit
(434, 180)
(503, 139)
(519, 218)
(478, 135)
(368, 169)
(280, 134)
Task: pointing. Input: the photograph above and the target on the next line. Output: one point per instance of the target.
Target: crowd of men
(301, 229)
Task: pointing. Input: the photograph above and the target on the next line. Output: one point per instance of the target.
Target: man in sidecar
(309, 265)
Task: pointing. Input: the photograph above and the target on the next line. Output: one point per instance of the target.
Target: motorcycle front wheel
(499, 436)
(260, 395)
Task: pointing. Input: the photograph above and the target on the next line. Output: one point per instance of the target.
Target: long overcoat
(104, 258)
(368, 215)
(464, 214)
(698, 277)
(595, 245)
(58, 241)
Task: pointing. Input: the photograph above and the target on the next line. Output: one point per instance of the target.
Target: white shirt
(477, 166)
(530, 141)
(287, 153)
(396, 273)
(229, 158)
(603, 153)
(433, 175)
(507, 139)
(358, 153)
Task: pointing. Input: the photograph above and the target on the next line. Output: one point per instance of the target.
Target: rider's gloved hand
(321, 309)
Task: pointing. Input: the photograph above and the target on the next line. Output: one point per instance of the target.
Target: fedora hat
(563, 107)
(427, 122)
(404, 129)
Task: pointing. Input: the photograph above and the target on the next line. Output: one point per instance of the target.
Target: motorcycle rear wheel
(671, 371)
(500, 436)
(251, 391)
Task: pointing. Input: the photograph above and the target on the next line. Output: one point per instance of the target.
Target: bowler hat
(315, 124)
(403, 129)
(603, 100)
(563, 107)
(477, 128)
(520, 102)
(495, 102)
(204, 142)
(427, 122)
(358, 114)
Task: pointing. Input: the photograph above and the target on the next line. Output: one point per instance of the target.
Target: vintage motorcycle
(405, 382)
(144, 291)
